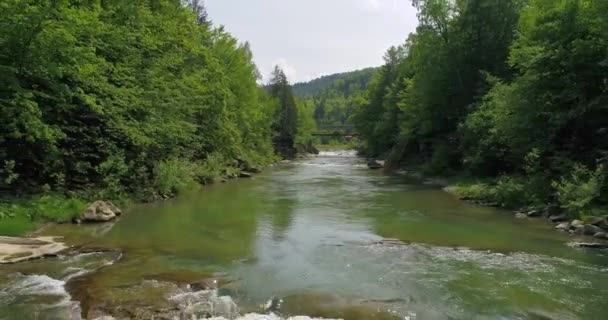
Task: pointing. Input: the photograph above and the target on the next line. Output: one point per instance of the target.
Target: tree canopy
(496, 88)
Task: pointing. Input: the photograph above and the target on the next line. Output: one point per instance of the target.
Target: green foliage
(213, 167)
(285, 125)
(334, 97)
(18, 216)
(509, 192)
(497, 89)
(580, 189)
(173, 176)
(93, 96)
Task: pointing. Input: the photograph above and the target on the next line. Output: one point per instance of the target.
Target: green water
(314, 233)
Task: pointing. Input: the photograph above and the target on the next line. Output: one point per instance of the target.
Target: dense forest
(334, 97)
(93, 96)
(514, 91)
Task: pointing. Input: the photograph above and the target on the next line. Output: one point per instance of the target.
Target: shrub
(212, 168)
(173, 176)
(577, 192)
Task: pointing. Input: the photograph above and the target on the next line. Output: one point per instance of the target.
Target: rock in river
(101, 211)
(601, 235)
(375, 164)
(563, 226)
(245, 174)
(587, 230)
(591, 245)
(558, 218)
(14, 250)
(521, 215)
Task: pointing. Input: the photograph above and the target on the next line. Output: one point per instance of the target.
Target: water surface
(331, 238)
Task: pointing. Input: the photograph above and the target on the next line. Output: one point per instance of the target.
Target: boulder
(587, 230)
(576, 223)
(601, 222)
(552, 210)
(245, 174)
(563, 226)
(375, 164)
(601, 235)
(100, 211)
(558, 218)
(534, 213)
(521, 215)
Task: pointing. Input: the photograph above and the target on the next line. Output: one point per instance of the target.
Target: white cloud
(371, 5)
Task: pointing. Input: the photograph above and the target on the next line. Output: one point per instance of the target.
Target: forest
(511, 95)
(95, 102)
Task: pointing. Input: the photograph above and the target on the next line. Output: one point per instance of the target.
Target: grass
(19, 216)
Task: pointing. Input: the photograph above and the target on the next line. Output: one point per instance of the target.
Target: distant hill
(358, 78)
(334, 97)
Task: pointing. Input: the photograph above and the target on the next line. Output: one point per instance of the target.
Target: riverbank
(24, 215)
(511, 194)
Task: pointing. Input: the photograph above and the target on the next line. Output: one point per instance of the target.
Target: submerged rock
(14, 249)
(591, 245)
(101, 211)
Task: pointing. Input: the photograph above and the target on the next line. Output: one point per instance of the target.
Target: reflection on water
(314, 233)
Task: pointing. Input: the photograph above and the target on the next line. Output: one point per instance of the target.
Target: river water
(328, 237)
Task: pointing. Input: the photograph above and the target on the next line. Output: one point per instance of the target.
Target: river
(328, 237)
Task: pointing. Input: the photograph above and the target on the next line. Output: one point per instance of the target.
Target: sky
(311, 38)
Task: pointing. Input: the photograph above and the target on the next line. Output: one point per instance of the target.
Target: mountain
(334, 97)
(344, 80)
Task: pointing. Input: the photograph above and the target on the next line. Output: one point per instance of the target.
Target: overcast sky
(310, 38)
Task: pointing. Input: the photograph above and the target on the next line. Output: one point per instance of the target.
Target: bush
(173, 176)
(577, 192)
(18, 216)
(213, 167)
(509, 192)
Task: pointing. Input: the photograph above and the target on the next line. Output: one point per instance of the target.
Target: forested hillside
(138, 97)
(333, 97)
(512, 90)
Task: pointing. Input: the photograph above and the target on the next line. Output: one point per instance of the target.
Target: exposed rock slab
(13, 249)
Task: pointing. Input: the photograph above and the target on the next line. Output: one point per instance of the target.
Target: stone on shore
(13, 250)
(587, 230)
(245, 174)
(601, 235)
(563, 226)
(101, 211)
(558, 218)
(375, 164)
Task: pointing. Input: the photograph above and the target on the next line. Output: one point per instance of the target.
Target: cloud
(372, 5)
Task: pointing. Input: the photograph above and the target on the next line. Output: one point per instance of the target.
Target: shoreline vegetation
(96, 104)
(507, 97)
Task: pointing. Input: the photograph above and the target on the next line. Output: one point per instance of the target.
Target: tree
(285, 125)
